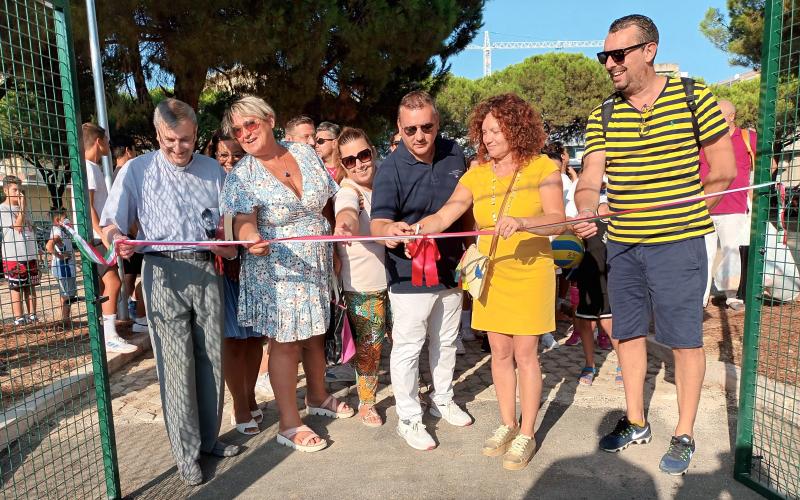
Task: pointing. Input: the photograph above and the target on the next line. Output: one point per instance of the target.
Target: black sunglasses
(322, 140)
(426, 129)
(364, 156)
(618, 55)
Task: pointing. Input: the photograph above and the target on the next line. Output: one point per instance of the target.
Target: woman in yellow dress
(518, 300)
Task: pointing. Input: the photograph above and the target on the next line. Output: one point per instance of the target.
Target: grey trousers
(183, 300)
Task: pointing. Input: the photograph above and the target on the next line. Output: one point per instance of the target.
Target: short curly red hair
(521, 126)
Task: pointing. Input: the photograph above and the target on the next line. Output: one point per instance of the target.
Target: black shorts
(133, 265)
(592, 278)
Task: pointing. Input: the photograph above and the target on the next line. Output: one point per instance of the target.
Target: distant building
(740, 77)
(670, 69)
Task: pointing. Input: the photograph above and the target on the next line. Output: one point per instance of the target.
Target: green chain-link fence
(768, 438)
(56, 440)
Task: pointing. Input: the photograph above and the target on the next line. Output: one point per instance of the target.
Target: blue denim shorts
(665, 282)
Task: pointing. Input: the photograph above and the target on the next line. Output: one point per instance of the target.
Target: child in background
(19, 251)
(62, 265)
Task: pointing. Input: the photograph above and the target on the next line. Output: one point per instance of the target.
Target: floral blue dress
(284, 295)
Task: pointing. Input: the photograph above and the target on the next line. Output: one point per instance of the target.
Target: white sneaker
(340, 373)
(460, 346)
(119, 344)
(452, 413)
(549, 342)
(139, 328)
(415, 434)
(263, 385)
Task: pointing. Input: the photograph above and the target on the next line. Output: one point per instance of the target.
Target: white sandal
(258, 415)
(248, 428)
(286, 438)
(325, 409)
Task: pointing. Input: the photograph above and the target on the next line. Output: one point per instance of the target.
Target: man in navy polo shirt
(413, 182)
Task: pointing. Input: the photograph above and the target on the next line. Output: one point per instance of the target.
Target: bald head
(728, 111)
(727, 107)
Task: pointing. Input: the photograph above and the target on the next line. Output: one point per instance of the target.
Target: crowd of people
(250, 315)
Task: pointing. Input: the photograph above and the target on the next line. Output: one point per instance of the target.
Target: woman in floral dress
(279, 191)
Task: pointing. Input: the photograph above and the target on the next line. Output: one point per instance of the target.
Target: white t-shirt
(97, 183)
(19, 247)
(363, 268)
(66, 240)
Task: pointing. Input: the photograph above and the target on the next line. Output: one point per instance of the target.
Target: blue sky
(535, 20)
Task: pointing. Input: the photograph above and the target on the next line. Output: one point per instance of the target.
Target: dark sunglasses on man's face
(364, 156)
(426, 129)
(322, 140)
(618, 55)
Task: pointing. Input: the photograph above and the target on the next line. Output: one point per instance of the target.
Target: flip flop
(331, 408)
(286, 438)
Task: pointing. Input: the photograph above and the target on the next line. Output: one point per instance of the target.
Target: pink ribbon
(424, 254)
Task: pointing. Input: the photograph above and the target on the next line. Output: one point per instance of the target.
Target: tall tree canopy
(347, 60)
(563, 87)
(738, 32)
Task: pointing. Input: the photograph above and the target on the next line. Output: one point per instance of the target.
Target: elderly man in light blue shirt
(174, 195)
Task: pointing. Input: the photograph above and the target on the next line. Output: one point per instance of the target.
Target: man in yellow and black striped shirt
(645, 138)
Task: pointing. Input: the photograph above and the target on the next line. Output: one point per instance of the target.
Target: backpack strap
(691, 103)
(746, 139)
(606, 110)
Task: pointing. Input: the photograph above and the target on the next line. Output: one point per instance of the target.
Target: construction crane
(554, 44)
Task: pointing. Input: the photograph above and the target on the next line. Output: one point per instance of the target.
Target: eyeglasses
(644, 127)
(321, 140)
(249, 125)
(364, 156)
(227, 156)
(426, 129)
(618, 55)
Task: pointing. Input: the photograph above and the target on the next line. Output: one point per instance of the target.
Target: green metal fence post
(773, 23)
(99, 365)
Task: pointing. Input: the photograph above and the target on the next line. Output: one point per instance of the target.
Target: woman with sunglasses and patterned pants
(363, 273)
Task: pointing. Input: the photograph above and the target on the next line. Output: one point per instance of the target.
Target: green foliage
(744, 96)
(339, 61)
(738, 32)
(563, 87)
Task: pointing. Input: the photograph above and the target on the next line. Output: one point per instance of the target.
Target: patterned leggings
(370, 321)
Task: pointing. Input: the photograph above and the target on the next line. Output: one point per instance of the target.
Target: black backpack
(607, 108)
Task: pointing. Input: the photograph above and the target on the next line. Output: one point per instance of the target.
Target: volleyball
(567, 251)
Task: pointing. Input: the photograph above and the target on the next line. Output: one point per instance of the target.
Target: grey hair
(248, 105)
(330, 127)
(172, 112)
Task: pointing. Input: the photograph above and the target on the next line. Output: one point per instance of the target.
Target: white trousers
(730, 231)
(415, 316)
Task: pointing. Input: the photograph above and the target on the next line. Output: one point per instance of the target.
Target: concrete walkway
(375, 463)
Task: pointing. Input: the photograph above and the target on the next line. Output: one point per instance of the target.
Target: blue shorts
(665, 282)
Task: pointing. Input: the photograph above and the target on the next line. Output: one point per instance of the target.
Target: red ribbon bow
(424, 254)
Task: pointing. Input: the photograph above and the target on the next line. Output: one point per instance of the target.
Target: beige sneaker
(520, 453)
(500, 441)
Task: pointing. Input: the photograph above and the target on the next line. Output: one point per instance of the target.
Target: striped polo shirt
(653, 157)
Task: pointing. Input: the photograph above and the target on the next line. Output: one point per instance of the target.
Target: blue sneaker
(624, 435)
(676, 460)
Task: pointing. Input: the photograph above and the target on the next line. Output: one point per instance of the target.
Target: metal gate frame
(763, 458)
(60, 10)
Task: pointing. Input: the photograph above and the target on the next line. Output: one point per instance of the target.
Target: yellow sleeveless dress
(519, 298)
